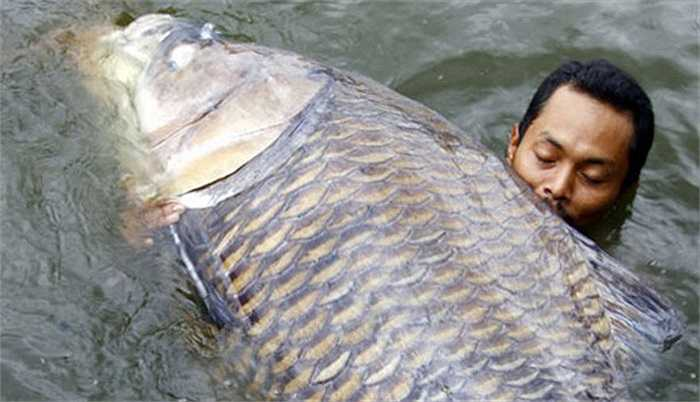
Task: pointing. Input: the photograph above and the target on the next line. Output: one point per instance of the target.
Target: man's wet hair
(605, 82)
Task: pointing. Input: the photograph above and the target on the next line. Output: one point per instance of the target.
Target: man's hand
(139, 222)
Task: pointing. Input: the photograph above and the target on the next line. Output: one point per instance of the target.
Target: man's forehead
(568, 93)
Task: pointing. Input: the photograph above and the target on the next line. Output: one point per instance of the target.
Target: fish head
(202, 107)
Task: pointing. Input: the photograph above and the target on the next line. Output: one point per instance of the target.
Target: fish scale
(319, 362)
(364, 248)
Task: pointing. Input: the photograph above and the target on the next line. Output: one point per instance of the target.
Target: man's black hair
(603, 81)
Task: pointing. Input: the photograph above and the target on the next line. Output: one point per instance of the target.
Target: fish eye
(181, 56)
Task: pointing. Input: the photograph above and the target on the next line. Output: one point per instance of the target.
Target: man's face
(574, 155)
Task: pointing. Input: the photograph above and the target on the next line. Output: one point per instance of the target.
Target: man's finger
(172, 208)
(161, 215)
(138, 223)
(170, 219)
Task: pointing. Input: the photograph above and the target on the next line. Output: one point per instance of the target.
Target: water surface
(86, 317)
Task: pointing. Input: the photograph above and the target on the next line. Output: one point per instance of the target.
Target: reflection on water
(84, 316)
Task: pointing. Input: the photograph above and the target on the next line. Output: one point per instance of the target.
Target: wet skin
(138, 222)
(574, 155)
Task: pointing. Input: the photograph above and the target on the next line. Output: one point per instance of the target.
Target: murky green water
(86, 317)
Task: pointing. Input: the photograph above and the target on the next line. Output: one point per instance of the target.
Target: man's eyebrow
(598, 161)
(548, 137)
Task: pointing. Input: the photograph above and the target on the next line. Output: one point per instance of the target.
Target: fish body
(354, 244)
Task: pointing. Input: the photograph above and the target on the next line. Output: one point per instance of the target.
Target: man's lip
(558, 209)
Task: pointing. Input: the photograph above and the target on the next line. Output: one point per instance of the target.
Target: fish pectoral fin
(200, 264)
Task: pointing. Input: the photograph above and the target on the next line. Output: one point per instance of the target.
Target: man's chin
(571, 221)
(579, 223)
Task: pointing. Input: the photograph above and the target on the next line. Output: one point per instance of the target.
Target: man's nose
(559, 187)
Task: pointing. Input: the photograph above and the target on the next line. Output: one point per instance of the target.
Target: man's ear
(513, 143)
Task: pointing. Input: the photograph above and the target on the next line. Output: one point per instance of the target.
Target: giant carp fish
(351, 243)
